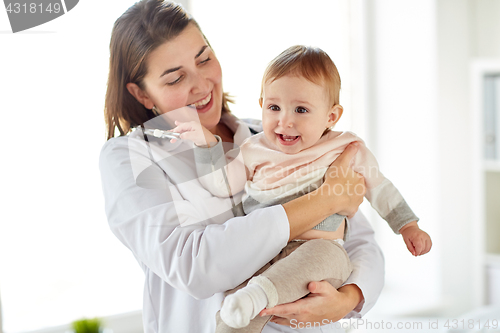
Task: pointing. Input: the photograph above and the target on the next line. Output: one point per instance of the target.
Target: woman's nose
(201, 84)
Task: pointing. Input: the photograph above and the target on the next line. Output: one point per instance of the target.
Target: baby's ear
(260, 102)
(334, 114)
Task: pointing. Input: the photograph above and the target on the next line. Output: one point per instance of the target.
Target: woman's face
(185, 71)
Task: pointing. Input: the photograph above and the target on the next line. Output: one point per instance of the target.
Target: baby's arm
(216, 169)
(390, 204)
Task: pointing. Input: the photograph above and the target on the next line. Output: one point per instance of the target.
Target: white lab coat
(187, 241)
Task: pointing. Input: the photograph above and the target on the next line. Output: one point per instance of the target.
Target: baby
(300, 105)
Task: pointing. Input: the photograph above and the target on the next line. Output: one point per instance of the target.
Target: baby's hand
(195, 132)
(417, 241)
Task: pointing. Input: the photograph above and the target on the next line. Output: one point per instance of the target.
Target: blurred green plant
(87, 325)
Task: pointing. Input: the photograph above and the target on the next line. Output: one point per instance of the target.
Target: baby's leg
(287, 279)
(315, 260)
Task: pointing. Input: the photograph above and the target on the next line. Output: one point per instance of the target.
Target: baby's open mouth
(288, 138)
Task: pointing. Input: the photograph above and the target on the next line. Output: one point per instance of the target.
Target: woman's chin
(210, 119)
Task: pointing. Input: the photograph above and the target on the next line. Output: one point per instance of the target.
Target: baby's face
(295, 113)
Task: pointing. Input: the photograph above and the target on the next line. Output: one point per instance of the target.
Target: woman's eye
(205, 61)
(176, 81)
(300, 109)
(274, 107)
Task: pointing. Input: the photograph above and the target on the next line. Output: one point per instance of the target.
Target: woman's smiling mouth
(205, 104)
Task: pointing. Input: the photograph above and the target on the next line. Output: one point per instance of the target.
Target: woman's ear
(140, 95)
(334, 115)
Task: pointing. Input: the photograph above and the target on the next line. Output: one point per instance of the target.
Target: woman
(188, 243)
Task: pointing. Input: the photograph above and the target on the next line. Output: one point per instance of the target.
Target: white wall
(467, 30)
(457, 219)
(419, 60)
(401, 69)
(485, 28)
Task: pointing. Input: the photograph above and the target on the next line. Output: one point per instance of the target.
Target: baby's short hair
(312, 63)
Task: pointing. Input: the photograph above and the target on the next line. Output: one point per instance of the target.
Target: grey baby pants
(285, 278)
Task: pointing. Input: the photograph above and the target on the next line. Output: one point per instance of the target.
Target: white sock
(244, 305)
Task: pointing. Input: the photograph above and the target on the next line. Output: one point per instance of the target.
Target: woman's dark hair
(136, 33)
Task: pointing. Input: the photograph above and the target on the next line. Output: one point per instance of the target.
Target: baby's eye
(274, 107)
(300, 109)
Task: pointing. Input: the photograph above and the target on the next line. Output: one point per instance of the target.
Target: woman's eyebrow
(170, 71)
(201, 51)
(177, 68)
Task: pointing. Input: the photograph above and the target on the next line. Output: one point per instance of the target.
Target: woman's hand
(341, 193)
(323, 305)
(342, 185)
(194, 131)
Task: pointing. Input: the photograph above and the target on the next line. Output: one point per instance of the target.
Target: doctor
(188, 243)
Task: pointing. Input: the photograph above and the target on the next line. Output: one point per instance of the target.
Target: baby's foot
(237, 310)
(242, 306)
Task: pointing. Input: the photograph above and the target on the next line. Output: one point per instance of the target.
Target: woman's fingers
(323, 304)
(301, 306)
(282, 310)
(319, 287)
(343, 185)
(344, 160)
(279, 321)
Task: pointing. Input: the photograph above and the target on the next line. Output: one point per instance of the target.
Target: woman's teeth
(204, 102)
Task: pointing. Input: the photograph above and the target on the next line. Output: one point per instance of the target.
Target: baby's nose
(286, 120)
